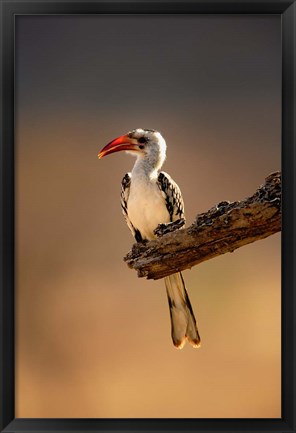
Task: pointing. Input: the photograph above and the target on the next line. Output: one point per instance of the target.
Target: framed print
(203, 94)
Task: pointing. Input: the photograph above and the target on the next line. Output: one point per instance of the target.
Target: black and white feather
(124, 194)
(172, 195)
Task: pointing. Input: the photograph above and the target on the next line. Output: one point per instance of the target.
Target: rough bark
(220, 230)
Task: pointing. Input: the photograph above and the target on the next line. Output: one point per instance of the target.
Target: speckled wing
(124, 195)
(172, 195)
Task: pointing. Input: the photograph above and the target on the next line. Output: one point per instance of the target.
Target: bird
(150, 197)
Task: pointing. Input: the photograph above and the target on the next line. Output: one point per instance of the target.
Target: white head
(146, 144)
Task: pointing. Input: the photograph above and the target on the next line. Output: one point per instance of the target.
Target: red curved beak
(124, 142)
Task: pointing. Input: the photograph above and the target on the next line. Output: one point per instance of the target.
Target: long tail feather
(183, 322)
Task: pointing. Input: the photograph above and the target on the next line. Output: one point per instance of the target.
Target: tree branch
(220, 230)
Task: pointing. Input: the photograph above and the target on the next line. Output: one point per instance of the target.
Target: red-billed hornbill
(150, 198)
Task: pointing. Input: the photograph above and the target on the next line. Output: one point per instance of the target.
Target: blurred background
(92, 339)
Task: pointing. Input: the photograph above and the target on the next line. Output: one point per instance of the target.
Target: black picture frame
(9, 9)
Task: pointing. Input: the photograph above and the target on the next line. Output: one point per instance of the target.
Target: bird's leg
(163, 229)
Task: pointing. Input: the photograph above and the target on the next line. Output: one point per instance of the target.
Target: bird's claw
(163, 229)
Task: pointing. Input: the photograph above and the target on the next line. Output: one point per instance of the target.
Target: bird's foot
(163, 229)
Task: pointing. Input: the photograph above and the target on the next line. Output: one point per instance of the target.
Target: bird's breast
(146, 208)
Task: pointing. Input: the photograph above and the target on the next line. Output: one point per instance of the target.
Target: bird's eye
(142, 140)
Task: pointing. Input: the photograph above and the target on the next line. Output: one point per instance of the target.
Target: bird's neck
(145, 169)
